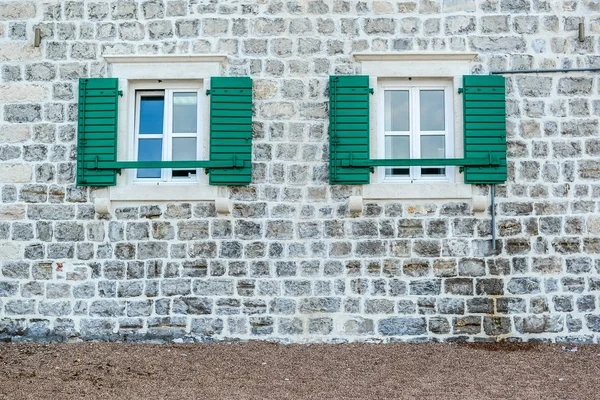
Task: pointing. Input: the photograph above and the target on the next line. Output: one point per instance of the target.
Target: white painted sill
(163, 193)
(105, 200)
(417, 191)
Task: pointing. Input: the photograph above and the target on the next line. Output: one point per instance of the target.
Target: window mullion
(449, 132)
(136, 129)
(199, 141)
(415, 130)
(167, 134)
(381, 130)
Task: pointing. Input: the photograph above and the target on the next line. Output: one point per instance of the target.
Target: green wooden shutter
(484, 104)
(231, 129)
(97, 130)
(348, 128)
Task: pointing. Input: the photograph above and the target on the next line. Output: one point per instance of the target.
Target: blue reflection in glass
(152, 111)
(149, 150)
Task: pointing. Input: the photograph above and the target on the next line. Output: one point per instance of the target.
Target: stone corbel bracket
(355, 204)
(102, 205)
(223, 206)
(480, 204)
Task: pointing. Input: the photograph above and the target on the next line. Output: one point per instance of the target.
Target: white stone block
(480, 203)
(19, 52)
(10, 251)
(15, 173)
(12, 212)
(15, 10)
(14, 133)
(264, 89)
(223, 206)
(593, 225)
(383, 7)
(22, 93)
(102, 205)
(355, 204)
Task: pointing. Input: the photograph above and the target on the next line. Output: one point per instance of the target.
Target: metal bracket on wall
(117, 166)
(491, 161)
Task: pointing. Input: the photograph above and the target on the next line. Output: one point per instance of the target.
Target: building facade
(300, 230)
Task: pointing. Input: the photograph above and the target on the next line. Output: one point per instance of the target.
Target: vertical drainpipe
(493, 194)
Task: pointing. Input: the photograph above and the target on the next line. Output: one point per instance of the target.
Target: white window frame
(450, 67)
(414, 86)
(141, 69)
(168, 88)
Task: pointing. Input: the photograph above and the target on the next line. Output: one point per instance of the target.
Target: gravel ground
(271, 371)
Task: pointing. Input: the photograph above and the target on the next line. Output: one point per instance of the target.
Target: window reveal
(167, 129)
(416, 121)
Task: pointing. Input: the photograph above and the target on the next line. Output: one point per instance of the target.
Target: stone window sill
(429, 191)
(163, 193)
(106, 199)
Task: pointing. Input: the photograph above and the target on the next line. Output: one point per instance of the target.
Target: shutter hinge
(208, 92)
(460, 90)
(120, 93)
(371, 90)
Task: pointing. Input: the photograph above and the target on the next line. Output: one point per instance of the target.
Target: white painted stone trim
(223, 206)
(163, 70)
(386, 191)
(163, 193)
(414, 57)
(131, 59)
(132, 69)
(418, 65)
(355, 204)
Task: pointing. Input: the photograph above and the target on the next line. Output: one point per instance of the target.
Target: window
(415, 121)
(168, 128)
(402, 112)
(150, 132)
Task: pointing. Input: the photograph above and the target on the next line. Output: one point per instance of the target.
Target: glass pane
(149, 150)
(184, 173)
(433, 146)
(184, 149)
(185, 112)
(151, 114)
(397, 147)
(432, 110)
(396, 110)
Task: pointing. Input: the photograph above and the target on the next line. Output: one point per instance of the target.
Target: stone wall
(291, 263)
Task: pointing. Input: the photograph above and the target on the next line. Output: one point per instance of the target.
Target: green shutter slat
(229, 142)
(483, 90)
(485, 118)
(486, 127)
(484, 103)
(231, 112)
(230, 106)
(355, 148)
(231, 129)
(348, 128)
(235, 92)
(483, 111)
(98, 100)
(485, 97)
(350, 120)
(97, 113)
(484, 140)
(231, 82)
(97, 129)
